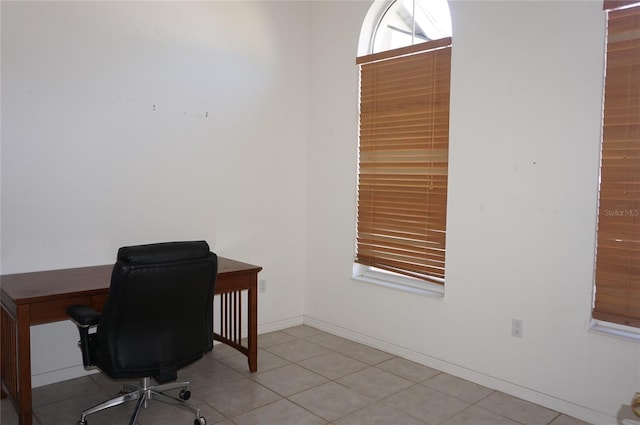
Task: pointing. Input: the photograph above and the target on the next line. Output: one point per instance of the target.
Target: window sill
(394, 281)
(613, 329)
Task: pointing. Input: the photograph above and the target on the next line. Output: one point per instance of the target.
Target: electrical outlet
(262, 285)
(516, 328)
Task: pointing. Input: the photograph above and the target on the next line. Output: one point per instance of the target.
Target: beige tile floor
(305, 377)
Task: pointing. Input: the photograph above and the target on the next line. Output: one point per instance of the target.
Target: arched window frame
(371, 25)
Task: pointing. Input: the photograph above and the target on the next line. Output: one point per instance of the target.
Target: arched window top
(399, 23)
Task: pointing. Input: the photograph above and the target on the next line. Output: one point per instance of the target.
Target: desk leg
(5, 340)
(24, 366)
(16, 361)
(253, 327)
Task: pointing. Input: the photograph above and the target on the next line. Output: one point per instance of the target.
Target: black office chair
(158, 318)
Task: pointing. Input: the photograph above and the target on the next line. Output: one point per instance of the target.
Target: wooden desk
(43, 297)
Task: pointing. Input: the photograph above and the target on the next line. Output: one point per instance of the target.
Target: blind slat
(614, 4)
(399, 53)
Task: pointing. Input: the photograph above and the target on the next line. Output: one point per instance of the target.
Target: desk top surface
(23, 288)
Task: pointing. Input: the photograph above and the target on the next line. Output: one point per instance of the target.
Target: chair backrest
(159, 313)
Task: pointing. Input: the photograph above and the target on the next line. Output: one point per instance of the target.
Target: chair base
(145, 392)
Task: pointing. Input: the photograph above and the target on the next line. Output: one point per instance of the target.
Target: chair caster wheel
(184, 395)
(200, 421)
(81, 422)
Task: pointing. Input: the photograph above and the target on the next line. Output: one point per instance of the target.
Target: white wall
(525, 129)
(136, 122)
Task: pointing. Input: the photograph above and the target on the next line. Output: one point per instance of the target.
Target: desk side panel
(236, 282)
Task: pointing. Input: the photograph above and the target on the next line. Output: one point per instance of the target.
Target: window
(408, 22)
(617, 274)
(403, 147)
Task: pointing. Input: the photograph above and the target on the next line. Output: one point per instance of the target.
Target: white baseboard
(280, 324)
(562, 406)
(53, 376)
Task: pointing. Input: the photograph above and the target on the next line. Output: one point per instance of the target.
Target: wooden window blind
(617, 276)
(403, 160)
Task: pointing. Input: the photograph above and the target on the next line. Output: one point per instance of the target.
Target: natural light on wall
(408, 22)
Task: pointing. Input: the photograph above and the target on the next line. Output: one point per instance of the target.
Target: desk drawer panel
(53, 311)
(98, 301)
